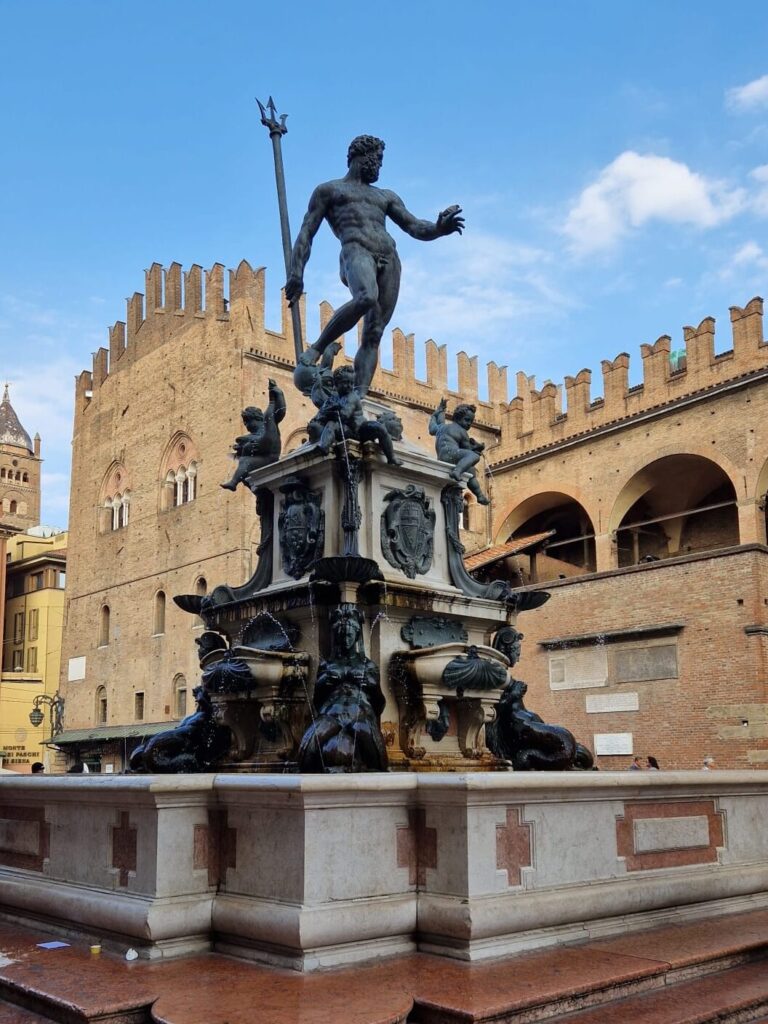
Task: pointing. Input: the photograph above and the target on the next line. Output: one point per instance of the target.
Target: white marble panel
(76, 669)
(655, 834)
(578, 668)
(19, 836)
(573, 842)
(613, 743)
(597, 703)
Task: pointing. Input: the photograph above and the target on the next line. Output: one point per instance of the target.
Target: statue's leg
(473, 484)
(376, 320)
(327, 438)
(360, 273)
(372, 430)
(464, 464)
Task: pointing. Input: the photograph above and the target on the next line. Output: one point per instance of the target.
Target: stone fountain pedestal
(348, 527)
(308, 871)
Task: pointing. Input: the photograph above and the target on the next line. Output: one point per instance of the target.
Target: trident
(269, 118)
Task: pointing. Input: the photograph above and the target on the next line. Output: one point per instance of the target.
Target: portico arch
(677, 504)
(572, 549)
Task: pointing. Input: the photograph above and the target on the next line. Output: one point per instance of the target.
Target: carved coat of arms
(408, 530)
(301, 526)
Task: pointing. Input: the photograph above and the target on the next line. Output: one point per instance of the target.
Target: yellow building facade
(34, 618)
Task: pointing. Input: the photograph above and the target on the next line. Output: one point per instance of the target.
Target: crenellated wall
(535, 418)
(175, 300)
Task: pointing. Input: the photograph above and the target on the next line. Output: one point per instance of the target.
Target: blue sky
(611, 159)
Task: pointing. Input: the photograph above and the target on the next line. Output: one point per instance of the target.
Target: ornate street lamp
(55, 705)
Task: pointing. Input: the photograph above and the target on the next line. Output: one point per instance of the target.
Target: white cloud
(36, 342)
(476, 291)
(752, 96)
(760, 199)
(749, 262)
(635, 189)
(472, 293)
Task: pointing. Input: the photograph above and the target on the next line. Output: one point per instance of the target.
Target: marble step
(736, 996)
(710, 965)
(10, 1014)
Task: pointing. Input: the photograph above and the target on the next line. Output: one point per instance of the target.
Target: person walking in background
(653, 764)
(635, 766)
(709, 763)
(38, 767)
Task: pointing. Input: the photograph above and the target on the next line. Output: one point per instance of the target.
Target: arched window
(12, 507)
(465, 513)
(2, 473)
(115, 499)
(159, 616)
(101, 705)
(178, 473)
(25, 478)
(189, 489)
(104, 616)
(201, 586)
(179, 695)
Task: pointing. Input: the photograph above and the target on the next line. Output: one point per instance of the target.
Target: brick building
(640, 512)
(32, 574)
(154, 422)
(654, 639)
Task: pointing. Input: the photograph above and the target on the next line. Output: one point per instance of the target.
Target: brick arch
(11, 496)
(619, 506)
(514, 514)
(295, 440)
(115, 481)
(761, 484)
(179, 452)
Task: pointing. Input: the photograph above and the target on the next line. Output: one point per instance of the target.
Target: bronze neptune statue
(356, 212)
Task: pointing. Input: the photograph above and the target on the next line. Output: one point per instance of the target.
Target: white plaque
(656, 834)
(578, 668)
(76, 669)
(597, 703)
(613, 742)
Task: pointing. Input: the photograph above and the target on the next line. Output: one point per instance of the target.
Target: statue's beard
(370, 168)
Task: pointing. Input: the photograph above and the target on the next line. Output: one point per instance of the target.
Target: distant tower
(19, 471)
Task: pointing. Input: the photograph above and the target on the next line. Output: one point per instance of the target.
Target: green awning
(108, 733)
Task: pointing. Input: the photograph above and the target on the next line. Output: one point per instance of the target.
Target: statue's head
(507, 641)
(464, 415)
(253, 418)
(344, 379)
(347, 629)
(368, 151)
(392, 424)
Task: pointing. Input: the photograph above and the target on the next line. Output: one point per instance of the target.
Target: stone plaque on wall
(75, 669)
(639, 664)
(597, 703)
(577, 669)
(613, 742)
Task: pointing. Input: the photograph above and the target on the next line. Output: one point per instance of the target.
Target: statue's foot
(309, 356)
(394, 461)
(229, 486)
(482, 500)
(454, 475)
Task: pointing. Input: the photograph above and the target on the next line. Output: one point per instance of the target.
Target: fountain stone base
(310, 871)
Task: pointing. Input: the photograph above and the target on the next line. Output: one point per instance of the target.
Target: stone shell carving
(408, 530)
(301, 527)
(474, 673)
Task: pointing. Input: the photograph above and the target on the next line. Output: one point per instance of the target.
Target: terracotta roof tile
(498, 551)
